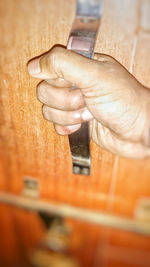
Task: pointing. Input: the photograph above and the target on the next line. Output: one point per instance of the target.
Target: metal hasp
(82, 40)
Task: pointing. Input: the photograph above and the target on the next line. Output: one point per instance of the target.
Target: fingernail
(34, 67)
(73, 128)
(86, 115)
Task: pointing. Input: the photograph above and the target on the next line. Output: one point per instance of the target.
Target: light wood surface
(20, 232)
(29, 145)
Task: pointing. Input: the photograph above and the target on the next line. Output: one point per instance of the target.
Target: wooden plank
(122, 248)
(24, 231)
(10, 254)
(24, 134)
(141, 66)
(2, 172)
(84, 246)
(20, 231)
(30, 230)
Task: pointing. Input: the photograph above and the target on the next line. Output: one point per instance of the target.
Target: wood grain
(123, 249)
(20, 232)
(144, 15)
(8, 244)
(30, 145)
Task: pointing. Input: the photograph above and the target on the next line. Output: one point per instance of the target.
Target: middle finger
(60, 98)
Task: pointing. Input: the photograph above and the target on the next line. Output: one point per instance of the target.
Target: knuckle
(57, 50)
(56, 53)
(74, 105)
(57, 58)
(105, 59)
(76, 102)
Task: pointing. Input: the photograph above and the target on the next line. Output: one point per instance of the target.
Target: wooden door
(29, 145)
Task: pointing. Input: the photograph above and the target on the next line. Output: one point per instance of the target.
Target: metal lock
(53, 251)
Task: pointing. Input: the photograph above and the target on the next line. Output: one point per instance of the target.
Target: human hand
(107, 95)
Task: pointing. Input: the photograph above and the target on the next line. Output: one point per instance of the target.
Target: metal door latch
(82, 40)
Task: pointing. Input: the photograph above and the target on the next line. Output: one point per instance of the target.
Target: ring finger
(66, 118)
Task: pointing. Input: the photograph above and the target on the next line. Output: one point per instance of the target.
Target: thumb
(62, 63)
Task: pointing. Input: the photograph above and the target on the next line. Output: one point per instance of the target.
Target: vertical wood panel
(2, 172)
(145, 11)
(20, 233)
(126, 249)
(31, 146)
(10, 253)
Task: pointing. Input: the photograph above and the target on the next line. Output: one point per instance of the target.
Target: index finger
(62, 63)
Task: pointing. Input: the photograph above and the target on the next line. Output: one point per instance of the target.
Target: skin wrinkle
(72, 101)
(125, 112)
(126, 134)
(118, 102)
(53, 62)
(113, 144)
(119, 135)
(71, 117)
